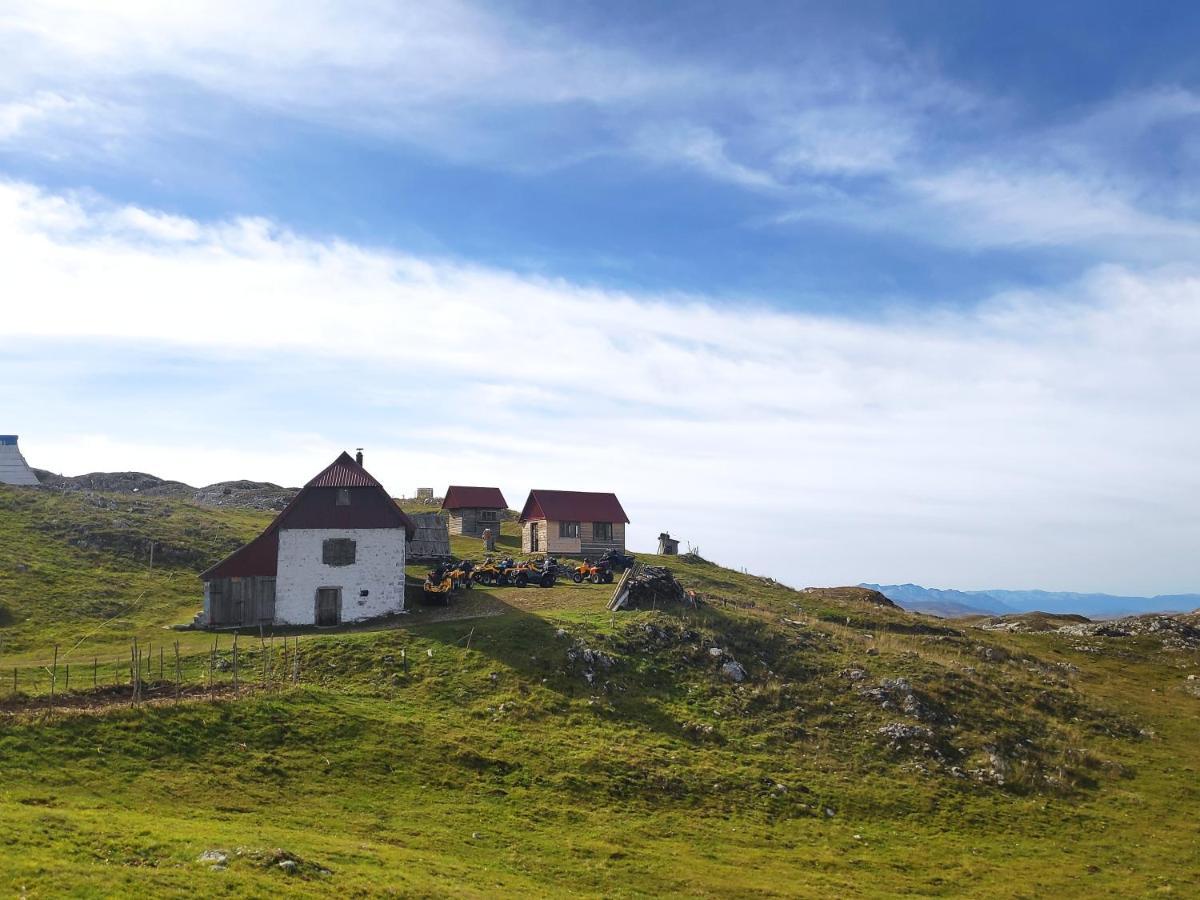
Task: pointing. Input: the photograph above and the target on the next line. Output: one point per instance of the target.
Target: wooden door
(266, 601)
(329, 606)
(237, 603)
(533, 537)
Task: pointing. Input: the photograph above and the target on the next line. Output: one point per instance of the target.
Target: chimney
(358, 456)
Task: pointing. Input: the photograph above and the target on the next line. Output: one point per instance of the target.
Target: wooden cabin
(335, 554)
(473, 510)
(572, 523)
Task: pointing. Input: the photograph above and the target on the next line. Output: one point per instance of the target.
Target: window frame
(342, 498)
(568, 529)
(598, 527)
(488, 515)
(334, 552)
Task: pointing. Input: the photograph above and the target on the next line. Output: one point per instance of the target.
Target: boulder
(733, 671)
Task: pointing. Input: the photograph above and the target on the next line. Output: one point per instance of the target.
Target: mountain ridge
(950, 603)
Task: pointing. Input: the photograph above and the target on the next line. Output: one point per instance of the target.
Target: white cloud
(1040, 439)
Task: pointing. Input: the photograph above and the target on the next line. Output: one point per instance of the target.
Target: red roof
(573, 506)
(315, 506)
(344, 472)
(459, 497)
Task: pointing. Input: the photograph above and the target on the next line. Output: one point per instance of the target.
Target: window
(338, 552)
(568, 529)
(343, 497)
(602, 531)
(488, 515)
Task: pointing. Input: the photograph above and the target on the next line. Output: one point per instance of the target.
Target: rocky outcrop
(241, 494)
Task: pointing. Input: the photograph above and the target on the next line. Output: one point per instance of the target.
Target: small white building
(13, 468)
(335, 554)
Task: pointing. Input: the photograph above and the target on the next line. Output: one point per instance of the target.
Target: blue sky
(907, 289)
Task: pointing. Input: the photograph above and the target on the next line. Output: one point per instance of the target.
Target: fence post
(54, 675)
(178, 672)
(235, 662)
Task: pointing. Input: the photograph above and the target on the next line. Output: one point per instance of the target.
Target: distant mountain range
(951, 603)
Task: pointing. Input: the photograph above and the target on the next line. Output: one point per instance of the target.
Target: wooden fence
(156, 671)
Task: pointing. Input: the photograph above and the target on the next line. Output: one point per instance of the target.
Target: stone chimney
(358, 456)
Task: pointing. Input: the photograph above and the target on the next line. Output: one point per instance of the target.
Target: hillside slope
(530, 742)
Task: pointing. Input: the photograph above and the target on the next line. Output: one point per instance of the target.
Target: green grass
(492, 765)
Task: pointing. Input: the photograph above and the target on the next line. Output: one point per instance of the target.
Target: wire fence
(155, 671)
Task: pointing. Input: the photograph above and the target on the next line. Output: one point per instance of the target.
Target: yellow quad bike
(599, 572)
(534, 571)
(442, 580)
(438, 586)
(488, 572)
(461, 574)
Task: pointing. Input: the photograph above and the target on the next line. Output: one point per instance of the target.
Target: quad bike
(508, 571)
(461, 572)
(534, 572)
(598, 572)
(445, 578)
(439, 584)
(488, 572)
(618, 561)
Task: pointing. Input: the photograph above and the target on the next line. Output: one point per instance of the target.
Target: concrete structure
(667, 545)
(474, 509)
(13, 468)
(335, 554)
(572, 523)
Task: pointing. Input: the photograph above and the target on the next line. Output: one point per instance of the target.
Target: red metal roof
(573, 506)
(344, 472)
(459, 496)
(315, 506)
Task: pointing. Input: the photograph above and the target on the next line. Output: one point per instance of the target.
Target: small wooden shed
(474, 509)
(572, 523)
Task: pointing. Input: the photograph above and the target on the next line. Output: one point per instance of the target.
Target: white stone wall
(378, 569)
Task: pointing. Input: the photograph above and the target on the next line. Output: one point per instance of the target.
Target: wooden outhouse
(473, 510)
(572, 523)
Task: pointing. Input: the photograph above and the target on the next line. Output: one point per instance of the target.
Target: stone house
(335, 554)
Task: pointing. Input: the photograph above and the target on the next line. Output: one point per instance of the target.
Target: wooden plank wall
(242, 601)
(589, 546)
(584, 545)
(466, 521)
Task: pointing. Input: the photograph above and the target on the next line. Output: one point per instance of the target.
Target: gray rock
(288, 865)
(216, 857)
(733, 671)
(716, 652)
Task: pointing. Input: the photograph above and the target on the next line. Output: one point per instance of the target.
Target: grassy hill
(529, 741)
